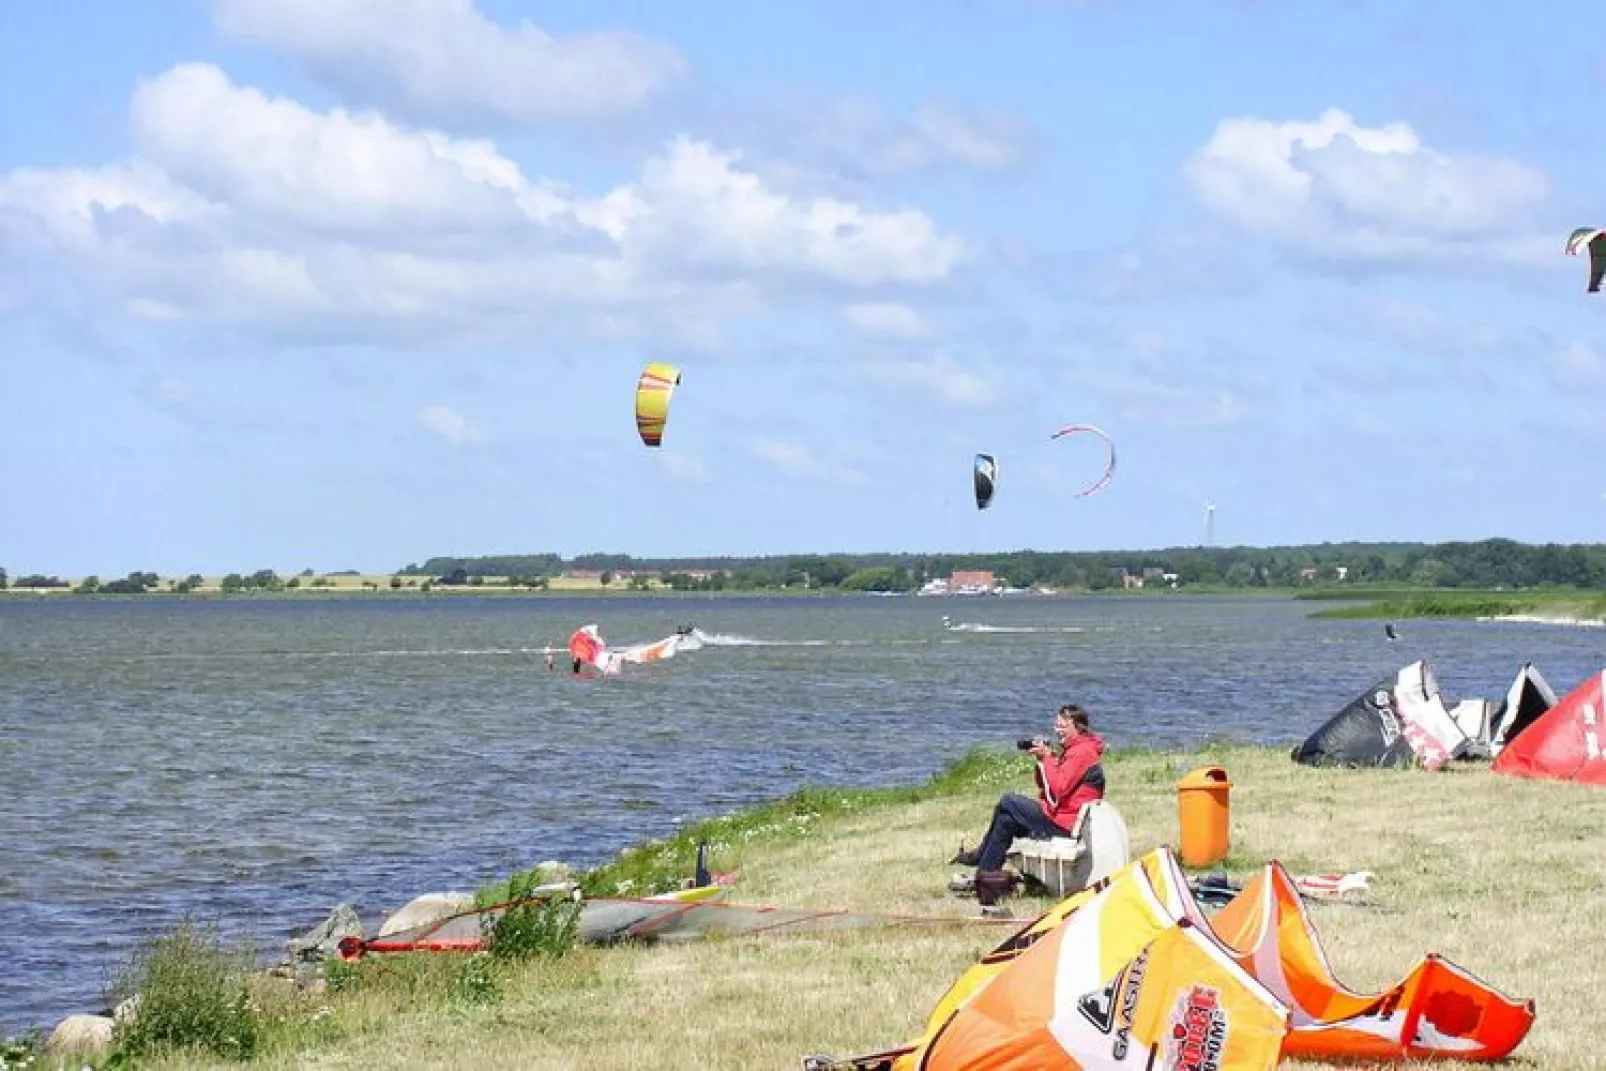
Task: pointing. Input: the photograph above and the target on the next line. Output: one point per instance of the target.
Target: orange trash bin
(1202, 812)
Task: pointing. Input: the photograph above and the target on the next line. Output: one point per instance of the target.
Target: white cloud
(449, 425)
(443, 59)
(695, 204)
(1334, 189)
(857, 137)
(1144, 378)
(887, 320)
(1168, 266)
(1147, 398)
(1415, 327)
(262, 212)
(173, 395)
(686, 469)
(859, 133)
(802, 463)
(146, 309)
(984, 141)
(939, 377)
(1475, 354)
(280, 162)
(72, 206)
(1579, 366)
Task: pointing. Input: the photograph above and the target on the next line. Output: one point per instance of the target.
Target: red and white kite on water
(587, 649)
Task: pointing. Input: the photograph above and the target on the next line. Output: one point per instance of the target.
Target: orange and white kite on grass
(1131, 973)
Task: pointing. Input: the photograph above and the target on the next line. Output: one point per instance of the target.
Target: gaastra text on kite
(1109, 466)
(986, 478)
(653, 391)
(1595, 241)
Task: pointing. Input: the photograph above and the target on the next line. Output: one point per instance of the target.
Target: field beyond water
(1500, 875)
(353, 583)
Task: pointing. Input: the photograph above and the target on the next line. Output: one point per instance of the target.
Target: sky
(341, 284)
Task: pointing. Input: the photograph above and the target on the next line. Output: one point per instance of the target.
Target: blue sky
(350, 283)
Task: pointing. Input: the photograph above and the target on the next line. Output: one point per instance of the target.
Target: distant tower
(1210, 524)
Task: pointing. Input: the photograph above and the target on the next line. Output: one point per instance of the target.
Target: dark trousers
(1015, 816)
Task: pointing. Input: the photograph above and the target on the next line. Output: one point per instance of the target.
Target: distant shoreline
(1561, 607)
(594, 590)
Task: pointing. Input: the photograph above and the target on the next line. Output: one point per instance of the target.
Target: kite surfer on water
(586, 647)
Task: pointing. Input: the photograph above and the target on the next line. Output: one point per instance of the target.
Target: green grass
(188, 992)
(1442, 605)
(663, 865)
(1361, 592)
(1468, 604)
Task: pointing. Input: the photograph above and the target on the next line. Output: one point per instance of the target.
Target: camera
(1025, 745)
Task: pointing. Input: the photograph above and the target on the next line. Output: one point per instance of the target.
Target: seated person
(1064, 783)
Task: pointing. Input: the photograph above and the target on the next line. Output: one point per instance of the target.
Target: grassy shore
(1501, 875)
(1543, 604)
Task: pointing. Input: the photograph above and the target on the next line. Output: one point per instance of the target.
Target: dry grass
(1502, 876)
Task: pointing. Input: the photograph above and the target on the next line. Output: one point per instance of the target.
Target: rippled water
(255, 763)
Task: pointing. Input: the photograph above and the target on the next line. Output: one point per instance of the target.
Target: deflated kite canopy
(1399, 721)
(1130, 972)
(1595, 241)
(1109, 467)
(986, 477)
(1565, 742)
(653, 391)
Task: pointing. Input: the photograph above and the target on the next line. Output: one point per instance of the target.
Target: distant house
(1131, 580)
(1152, 572)
(972, 581)
(1342, 571)
(1308, 573)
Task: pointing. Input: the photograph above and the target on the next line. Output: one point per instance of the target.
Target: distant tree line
(1489, 563)
(36, 580)
(531, 565)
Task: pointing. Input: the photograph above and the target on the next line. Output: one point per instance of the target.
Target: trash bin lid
(1205, 777)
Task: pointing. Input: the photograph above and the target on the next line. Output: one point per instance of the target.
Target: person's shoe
(964, 858)
(992, 886)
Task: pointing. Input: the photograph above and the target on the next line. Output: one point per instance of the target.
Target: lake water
(255, 763)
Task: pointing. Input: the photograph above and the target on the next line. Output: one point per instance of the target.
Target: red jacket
(1075, 778)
